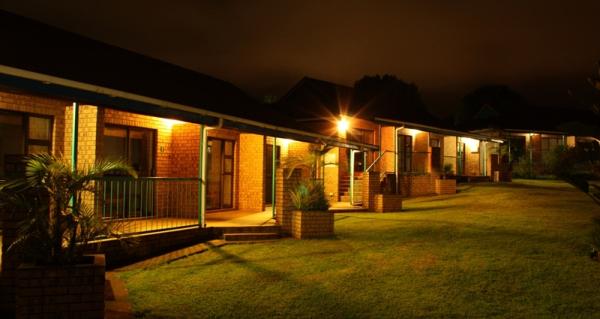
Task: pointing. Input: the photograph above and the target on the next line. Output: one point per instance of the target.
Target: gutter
(113, 93)
(434, 129)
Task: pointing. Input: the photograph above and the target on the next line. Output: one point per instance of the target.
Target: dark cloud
(541, 48)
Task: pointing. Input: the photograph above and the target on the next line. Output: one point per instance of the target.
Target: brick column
(371, 186)
(283, 203)
(9, 224)
(251, 172)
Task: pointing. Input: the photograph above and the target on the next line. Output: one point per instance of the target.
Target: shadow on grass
(325, 297)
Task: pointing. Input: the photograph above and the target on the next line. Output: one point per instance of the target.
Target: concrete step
(248, 229)
(250, 236)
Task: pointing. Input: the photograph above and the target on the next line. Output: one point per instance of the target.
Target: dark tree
(388, 96)
(489, 106)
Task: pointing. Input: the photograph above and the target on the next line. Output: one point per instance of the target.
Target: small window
(130, 144)
(434, 142)
(22, 134)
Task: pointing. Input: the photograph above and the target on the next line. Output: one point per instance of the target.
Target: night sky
(448, 48)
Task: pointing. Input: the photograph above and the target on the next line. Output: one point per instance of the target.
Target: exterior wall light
(343, 125)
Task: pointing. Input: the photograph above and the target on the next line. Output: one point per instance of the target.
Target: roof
(37, 47)
(47, 60)
(314, 98)
(556, 120)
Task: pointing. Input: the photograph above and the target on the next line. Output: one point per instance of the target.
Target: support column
(75, 136)
(352, 177)
(202, 178)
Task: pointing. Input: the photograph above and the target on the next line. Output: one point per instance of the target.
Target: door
(404, 153)
(269, 170)
(436, 155)
(460, 158)
(219, 173)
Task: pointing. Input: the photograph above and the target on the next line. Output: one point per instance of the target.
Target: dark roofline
(180, 96)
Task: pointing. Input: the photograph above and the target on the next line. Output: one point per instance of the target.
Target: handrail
(148, 178)
(377, 159)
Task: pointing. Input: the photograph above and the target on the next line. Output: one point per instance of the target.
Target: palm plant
(57, 222)
(309, 195)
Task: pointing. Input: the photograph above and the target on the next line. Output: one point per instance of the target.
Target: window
(404, 153)
(361, 136)
(133, 145)
(549, 143)
(22, 134)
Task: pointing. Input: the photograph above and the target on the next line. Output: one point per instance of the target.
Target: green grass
(516, 250)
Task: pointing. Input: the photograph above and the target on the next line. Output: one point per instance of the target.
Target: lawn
(516, 250)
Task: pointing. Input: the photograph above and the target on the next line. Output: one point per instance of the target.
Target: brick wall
(37, 105)
(251, 176)
(29, 103)
(417, 185)
(311, 224)
(9, 262)
(445, 186)
(371, 186)
(331, 178)
(387, 203)
(386, 164)
(285, 182)
(142, 246)
(61, 291)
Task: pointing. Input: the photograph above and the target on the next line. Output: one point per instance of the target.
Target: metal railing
(147, 203)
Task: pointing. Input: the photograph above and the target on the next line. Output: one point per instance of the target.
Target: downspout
(74, 145)
(396, 129)
(202, 178)
(273, 175)
(75, 136)
(352, 177)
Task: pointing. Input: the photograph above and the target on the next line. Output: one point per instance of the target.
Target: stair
(250, 237)
(344, 188)
(249, 234)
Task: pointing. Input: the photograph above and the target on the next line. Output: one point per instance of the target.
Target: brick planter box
(445, 186)
(388, 203)
(75, 291)
(312, 224)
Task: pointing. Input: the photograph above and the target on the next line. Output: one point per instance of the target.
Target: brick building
(410, 147)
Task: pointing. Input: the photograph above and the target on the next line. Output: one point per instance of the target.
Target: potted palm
(311, 217)
(56, 277)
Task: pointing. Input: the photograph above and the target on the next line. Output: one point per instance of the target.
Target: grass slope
(515, 250)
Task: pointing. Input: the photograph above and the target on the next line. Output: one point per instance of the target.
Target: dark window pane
(40, 128)
(12, 145)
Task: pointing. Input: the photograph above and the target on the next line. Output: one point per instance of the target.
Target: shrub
(309, 195)
(56, 222)
(523, 168)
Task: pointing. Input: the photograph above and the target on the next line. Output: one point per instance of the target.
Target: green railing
(147, 203)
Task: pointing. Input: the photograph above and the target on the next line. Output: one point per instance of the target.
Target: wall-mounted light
(343, 125)
(170, 122)
(472, 144)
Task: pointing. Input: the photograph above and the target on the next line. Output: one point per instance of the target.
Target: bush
(309, 195)
(523, 168)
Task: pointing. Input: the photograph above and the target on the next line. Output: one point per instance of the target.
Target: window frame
(25, 128)
(127, 129)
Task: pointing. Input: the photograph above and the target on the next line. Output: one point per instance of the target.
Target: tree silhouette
(388, 96)
(489, 106)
